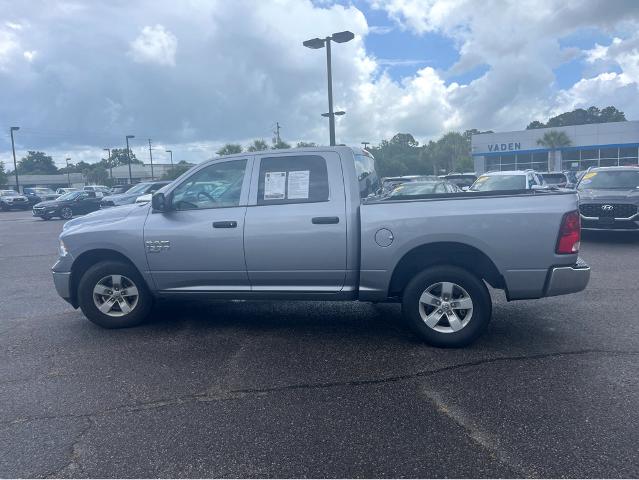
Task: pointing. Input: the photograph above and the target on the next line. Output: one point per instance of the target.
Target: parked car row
(608, 196)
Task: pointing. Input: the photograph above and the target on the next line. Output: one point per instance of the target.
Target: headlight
(62, 251)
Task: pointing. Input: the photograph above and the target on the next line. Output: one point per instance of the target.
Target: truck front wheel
(447, 306)
(113, 294)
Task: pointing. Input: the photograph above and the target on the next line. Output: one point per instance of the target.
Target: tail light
(569, 234)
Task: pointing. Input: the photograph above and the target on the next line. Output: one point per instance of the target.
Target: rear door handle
(324, 220)
(227, 224)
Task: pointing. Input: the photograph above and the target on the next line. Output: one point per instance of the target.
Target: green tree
(36, 163)
(257, 146)
(3, 175)
(230, 149)
(176, 170)
(305, 144)
(97, 174)
(119, 157)
(580, 116)
(553, 140)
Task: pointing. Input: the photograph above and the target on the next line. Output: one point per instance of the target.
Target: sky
(77, 76)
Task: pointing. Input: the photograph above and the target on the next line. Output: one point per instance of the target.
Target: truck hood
(610, 195)
(102, 216)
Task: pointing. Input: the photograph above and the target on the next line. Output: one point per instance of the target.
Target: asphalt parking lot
(309, 389)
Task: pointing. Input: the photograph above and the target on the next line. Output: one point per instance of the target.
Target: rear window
(292, 179)
(554, 178)
(487, 183)
(366, 175)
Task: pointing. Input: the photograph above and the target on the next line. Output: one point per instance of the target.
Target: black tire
(66, 213)
(474, 324)
(45, 217)
(99, 271)
(4, 207)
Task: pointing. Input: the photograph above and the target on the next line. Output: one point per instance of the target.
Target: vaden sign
(504, 147)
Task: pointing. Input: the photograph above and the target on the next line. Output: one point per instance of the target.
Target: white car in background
(146, 198)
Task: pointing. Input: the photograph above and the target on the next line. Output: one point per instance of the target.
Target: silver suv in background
(609, 199)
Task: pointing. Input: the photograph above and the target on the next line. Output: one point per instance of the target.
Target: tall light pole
(366, 144)
(13, 149)
(128, 156)
(110, 162)
(68, 176)
(171, 152)
(151, 155)
(315, 43)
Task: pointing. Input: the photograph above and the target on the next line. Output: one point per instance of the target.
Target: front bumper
(62, 282)
(564, 280)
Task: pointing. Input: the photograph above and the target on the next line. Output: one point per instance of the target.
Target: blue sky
(78, 76)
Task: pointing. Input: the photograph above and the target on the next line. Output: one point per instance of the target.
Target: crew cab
(301, 224)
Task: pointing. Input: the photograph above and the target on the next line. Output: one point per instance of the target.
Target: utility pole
(110, 162)
(151, 155)
(68, 176)
(171, 152)
(13, 149)
(128, 156)
(366, 144)
(277, 132)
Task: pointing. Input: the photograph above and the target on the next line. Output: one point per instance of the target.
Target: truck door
(197, 245)
(295, 231)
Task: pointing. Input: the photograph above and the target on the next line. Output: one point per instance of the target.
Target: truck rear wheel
(447, 306)
(113, 294)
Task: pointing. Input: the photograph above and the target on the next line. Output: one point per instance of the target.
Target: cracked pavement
(310, 389)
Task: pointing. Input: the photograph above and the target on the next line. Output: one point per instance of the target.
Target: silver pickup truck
(304, 224)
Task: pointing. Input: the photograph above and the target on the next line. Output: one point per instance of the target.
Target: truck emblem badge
(157, 246)
(607, 208)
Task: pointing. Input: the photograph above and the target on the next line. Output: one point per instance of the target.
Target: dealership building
(593, 145)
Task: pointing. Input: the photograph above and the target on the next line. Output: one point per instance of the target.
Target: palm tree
(553, 140)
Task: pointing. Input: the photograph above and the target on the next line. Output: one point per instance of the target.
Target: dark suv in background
(609, 199)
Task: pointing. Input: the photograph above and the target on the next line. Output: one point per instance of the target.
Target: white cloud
(29, 55)
(241, 67)
(9, 44)
(154, 45)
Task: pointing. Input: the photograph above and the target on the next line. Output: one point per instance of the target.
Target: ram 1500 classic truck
(305, 224)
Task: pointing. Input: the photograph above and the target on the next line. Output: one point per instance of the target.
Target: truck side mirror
(158, 202)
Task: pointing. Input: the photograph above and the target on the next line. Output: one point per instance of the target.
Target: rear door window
(292, 179)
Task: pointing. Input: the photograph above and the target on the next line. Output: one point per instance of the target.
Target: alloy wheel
(445, 307)
(66, 213)
(115, 295)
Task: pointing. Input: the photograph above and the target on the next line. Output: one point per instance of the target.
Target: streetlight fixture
(13, 149)
(316, 43)
(128, 156)
(110, 162)
(171, 152)
(68, 176)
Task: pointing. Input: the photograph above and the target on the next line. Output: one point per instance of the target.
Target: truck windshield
(489, 183)
(613, 179)
(366, 175)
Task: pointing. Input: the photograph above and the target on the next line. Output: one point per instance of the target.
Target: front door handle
(325, 220)
(227, 224)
